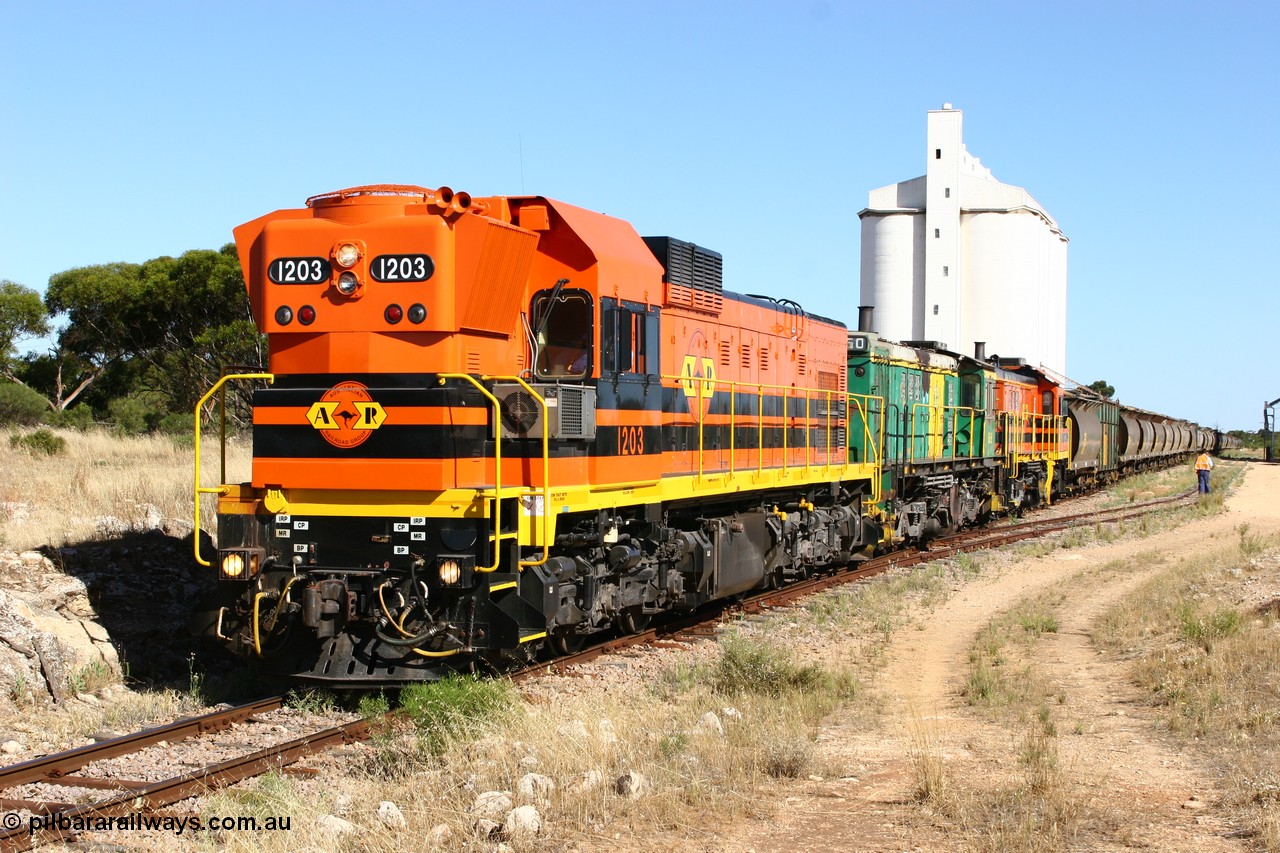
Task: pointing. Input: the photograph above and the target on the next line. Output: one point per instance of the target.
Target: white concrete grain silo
(955, 256)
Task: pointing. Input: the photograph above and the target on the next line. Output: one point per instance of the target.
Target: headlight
(346, 254)
(241, 565)
(347, 283)
(233, 565)
(450, 572)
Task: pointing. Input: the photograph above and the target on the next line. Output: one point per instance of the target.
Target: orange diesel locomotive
(497, 425)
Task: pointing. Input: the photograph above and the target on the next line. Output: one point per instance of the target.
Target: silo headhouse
(955, 257)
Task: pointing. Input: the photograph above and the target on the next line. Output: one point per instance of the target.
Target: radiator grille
(694, 276)
(571, 420)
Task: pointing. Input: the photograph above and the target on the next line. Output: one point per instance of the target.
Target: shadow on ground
(144, 588)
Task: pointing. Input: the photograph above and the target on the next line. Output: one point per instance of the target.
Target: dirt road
(1141, 788)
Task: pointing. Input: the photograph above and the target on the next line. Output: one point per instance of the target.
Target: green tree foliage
(1103, 388)
(20, 405)
(165, 327)
(22, 316)
(1249, 438)
(42, 442)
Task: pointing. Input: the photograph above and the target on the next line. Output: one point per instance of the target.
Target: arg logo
(346, 415)
(698, 379)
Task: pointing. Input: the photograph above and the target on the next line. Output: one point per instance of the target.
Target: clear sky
(1148, 130)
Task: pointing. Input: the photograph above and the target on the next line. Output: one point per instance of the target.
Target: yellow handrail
(497, 465)
(220, 490)
(787, 393)
(548, 526)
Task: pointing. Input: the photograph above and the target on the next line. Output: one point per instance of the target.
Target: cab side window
(628, 338)
(564, 330)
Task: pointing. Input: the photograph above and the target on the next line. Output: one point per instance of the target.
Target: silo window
(935, 310)
(937, 232)
(948, 192)
(946, 271)
(937, 153)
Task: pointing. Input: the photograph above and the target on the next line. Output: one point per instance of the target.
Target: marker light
(417, 313)
(306, 315)
(284, 315)
(394, 314)
(450, 572)
(346, 254)
(347, 283)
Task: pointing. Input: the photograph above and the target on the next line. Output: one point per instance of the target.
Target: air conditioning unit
(570, 409)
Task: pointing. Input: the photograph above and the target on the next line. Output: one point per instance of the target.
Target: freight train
(492, 428)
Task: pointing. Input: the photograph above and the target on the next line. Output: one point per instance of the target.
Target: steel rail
(158, 794)
(58, 765)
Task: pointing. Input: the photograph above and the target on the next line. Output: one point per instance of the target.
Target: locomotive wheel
(567, 642)
(633, 620)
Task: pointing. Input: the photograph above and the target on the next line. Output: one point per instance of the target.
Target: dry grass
(123, 711)
(1171, 481)
(583, 742)
(71, 497)
(1208, 653)
(1034, 807)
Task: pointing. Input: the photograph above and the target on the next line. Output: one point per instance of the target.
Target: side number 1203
(631, 441)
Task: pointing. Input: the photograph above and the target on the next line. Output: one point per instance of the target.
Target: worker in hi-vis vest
(1204, 465)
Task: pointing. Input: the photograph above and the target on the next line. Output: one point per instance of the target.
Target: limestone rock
(534, 787)
(334, 825)
(710, 724)
(485, 828)
(632, 785)
(440, 835)
(588, 781)
(522, 820)
(493, 805)
(391, 816)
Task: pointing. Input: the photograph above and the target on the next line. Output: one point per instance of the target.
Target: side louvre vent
(694, 276)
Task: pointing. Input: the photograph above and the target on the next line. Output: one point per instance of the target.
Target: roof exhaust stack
(864, 317)
(980, 350)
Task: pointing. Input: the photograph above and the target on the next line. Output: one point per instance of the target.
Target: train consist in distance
(493, 427)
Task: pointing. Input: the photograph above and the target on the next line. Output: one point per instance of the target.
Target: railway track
(74, 769)
(51, 820)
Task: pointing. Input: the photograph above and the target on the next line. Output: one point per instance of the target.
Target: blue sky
(1148, 130)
